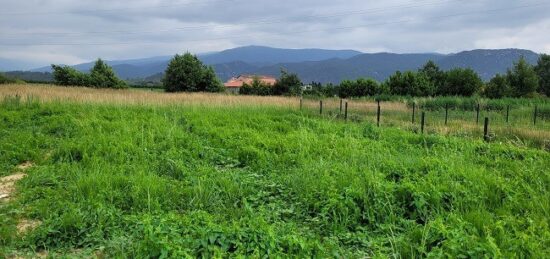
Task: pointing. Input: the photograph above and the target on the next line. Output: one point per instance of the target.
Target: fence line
(346, 108)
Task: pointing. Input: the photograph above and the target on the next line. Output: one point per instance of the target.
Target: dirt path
(7, 185)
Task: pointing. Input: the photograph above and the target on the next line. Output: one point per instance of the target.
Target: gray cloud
(39, 32)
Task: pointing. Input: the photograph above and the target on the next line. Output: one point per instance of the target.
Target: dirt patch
(19, 255)
(7, 185)
(24, 166)
(26, 225)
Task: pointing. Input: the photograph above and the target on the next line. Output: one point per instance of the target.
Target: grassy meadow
(146, 174)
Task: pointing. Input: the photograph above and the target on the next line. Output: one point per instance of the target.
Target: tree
(410, 83)
(210, 81)
(462, 82)
(360, 87)
(68, 76)
(523, 79)
(187, 73)
(434, 74)
(103, 76)
(543, 71)
(257, 87)
(346, 89)
(288, 84)
(498, 87)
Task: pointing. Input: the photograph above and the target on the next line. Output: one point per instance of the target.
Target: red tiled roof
(237, 82)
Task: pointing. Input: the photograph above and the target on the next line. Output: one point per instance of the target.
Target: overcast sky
(40, 32)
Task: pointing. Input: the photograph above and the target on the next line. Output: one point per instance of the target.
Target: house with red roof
(234, 84)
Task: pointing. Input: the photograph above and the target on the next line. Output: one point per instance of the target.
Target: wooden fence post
(446, 113)
(422, 121)
(321, 107)
(378, 115)
(414, 108)
(301, 102)
(486, 129)
(346, 111)
(477, 116)
(341, 100)
(535, 116)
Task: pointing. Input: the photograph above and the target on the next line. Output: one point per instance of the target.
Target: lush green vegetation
(287, 84)
(100, 76)
(147, 181)
(186, 73)
(470, 103)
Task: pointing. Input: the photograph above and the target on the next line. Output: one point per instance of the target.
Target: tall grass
(471, 103)
(194, 181)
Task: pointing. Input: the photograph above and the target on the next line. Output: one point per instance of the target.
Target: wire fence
(525, 125)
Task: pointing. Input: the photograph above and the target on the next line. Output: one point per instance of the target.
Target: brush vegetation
(190, 180)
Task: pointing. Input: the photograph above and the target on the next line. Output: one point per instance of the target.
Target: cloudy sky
(40, 32)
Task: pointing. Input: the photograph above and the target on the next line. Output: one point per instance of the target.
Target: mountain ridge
(325, 66)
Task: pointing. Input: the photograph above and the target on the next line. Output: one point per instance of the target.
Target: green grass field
(189, 181)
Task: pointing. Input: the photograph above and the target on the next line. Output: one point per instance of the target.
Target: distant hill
(262, 56)
(253, 56)
(30, 76)
(322, 65)
(487, 62)
(380, 66)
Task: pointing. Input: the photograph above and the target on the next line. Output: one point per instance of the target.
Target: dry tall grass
(48, 93)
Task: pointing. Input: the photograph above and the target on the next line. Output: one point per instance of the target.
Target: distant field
(99, 173)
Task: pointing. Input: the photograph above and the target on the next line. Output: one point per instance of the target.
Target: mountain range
(320, 65)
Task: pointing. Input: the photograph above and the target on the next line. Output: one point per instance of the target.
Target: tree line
(101, 76)
(186, 73)
(522, 80)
